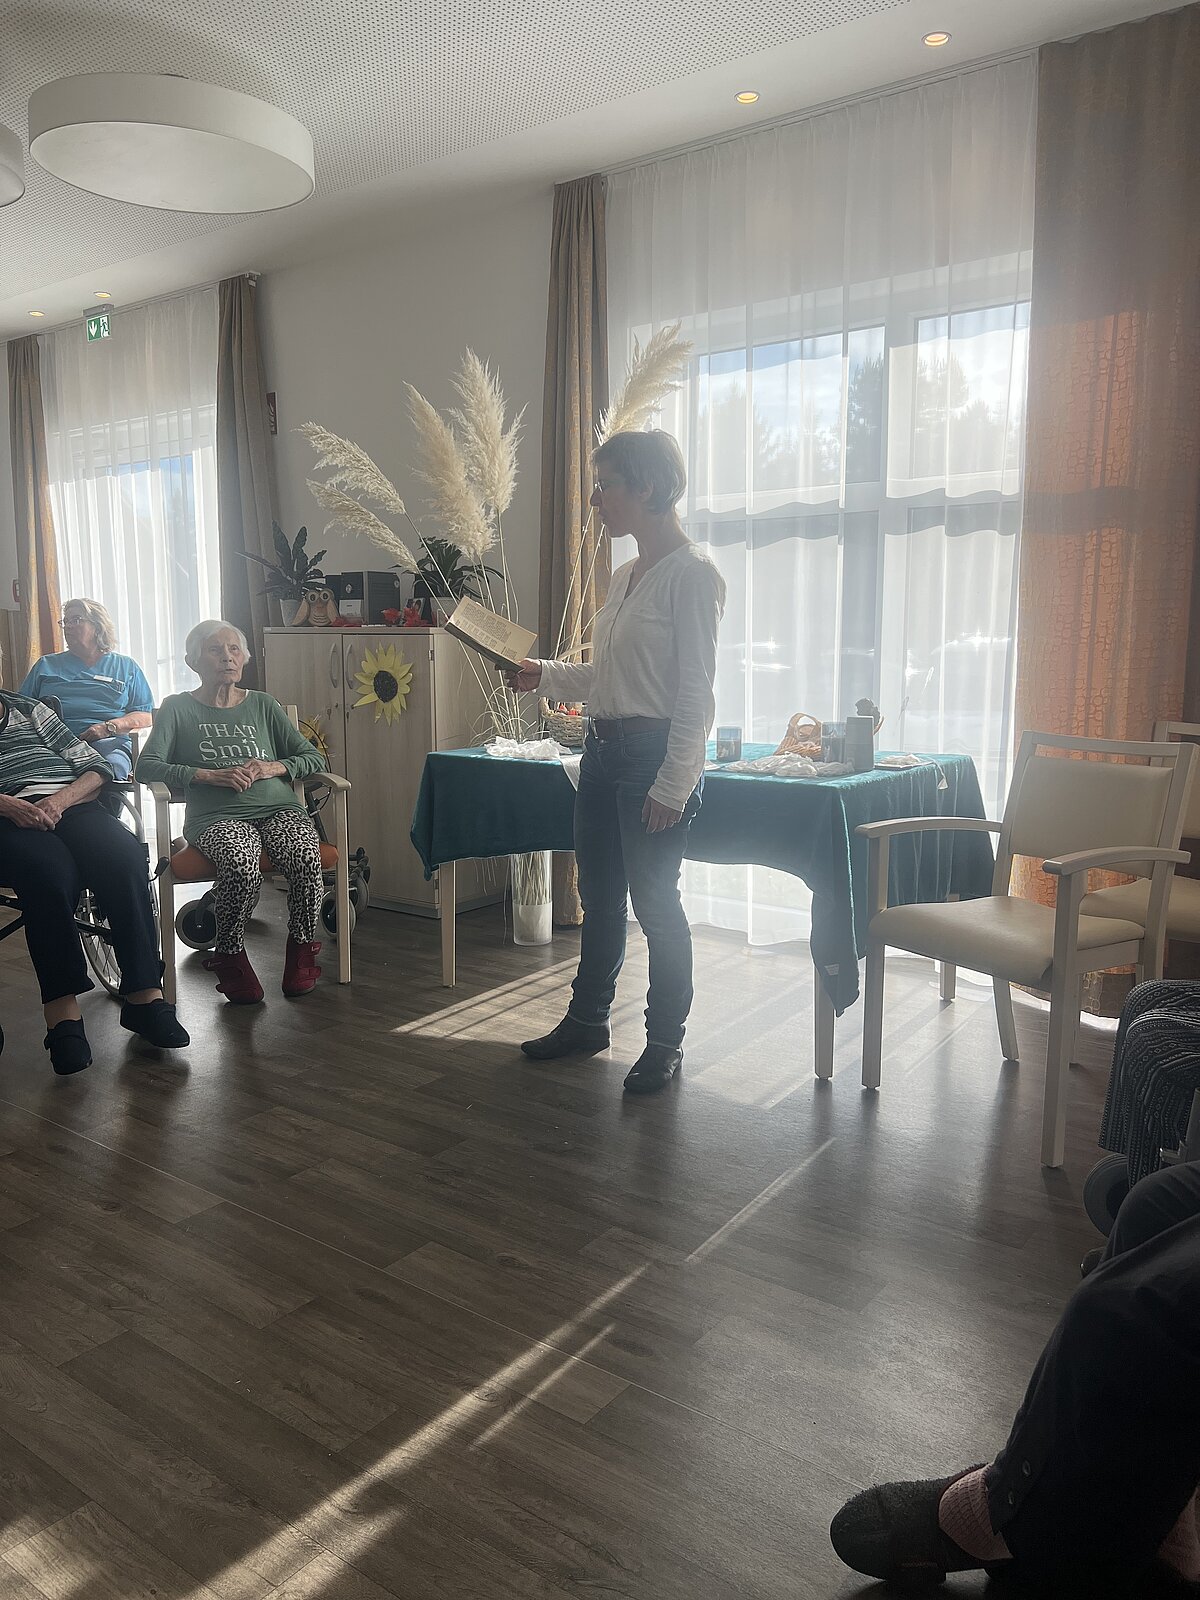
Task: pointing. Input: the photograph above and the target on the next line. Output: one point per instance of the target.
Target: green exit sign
(98, 326)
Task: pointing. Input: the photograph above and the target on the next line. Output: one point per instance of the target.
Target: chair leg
(1005, 1020)
(1064, 1014)
(822, 1028)
(342, 887)
(166, 932)
(872, 1060)
(946, 981)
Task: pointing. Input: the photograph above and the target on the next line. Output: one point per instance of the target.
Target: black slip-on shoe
(570, 1038)
(68, 1046)
(156, 1023)
(891, 1532)
(653, 1069)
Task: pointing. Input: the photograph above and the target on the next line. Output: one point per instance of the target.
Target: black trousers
(47, 871)
(1104, 1453)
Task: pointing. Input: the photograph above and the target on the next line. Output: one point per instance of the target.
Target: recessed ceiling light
(102, 294)
(936, 40)
(37, 313)
(747, 97)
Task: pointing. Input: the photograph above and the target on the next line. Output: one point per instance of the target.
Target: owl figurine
(317, 609)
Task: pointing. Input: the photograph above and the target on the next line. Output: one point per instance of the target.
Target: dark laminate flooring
(350, 1301)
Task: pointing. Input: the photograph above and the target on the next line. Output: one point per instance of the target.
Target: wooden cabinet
(319, 670)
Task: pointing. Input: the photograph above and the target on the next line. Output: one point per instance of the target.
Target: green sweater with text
(188, 735)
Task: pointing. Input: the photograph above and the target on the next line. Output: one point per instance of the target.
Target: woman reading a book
(649, 692)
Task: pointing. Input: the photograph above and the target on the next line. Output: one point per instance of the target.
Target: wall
(342, 336)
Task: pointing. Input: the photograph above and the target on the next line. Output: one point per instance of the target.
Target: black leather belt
(613, 728)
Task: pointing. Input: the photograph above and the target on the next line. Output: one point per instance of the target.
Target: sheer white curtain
(856, 285)
(130, 434)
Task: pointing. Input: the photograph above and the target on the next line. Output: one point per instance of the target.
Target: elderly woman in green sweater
(235, 754)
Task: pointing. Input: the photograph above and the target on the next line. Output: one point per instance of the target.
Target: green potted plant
(444, 572)
(293, 571)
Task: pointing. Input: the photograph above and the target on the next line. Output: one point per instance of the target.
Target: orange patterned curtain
(1112, 489)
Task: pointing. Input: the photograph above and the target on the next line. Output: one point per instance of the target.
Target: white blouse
(654, 654)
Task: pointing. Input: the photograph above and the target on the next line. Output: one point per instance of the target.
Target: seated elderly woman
(104, 696)
(233, 753)
(56, 840)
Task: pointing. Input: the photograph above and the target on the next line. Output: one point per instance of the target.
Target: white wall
(342, 336)
(8, 517)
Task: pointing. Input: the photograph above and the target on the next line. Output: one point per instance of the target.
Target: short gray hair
(98, 616)
(651, 461)
(200, 635)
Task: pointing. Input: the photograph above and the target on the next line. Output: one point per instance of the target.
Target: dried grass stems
(653, 374)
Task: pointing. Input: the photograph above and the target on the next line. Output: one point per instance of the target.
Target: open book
(491, 635)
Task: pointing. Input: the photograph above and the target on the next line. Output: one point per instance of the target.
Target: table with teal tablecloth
(472, 804)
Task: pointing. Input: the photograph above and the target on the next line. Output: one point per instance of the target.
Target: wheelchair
(92, 925)
(123, 799)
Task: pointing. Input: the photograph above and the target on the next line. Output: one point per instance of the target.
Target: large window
(856, 287)
(131, 438)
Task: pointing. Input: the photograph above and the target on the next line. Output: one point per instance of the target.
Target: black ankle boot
(156, 1022)
(653, 1069)
(68, 1046)
(570, 1038)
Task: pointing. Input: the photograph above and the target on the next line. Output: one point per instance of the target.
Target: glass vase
(533, 912)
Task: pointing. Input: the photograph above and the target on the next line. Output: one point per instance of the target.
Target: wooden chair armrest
(885, 830)
(328, 780)
(1113, 856)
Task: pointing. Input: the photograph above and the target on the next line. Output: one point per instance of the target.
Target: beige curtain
(574, 557)
(245, 468)
(36, 625)
(1112, 489)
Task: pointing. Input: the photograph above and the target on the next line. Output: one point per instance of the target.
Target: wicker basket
(567, 727)
(803, 737)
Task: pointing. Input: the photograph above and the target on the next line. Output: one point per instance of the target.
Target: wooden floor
(351, 1301)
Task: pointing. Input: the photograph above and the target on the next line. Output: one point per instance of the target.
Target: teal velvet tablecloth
(472, 804)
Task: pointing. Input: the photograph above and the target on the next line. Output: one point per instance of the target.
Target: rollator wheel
(1104, 1188)
(196, 925)
(360, 895)
(329, 919)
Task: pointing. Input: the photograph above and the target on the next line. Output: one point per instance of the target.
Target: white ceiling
(414, 107)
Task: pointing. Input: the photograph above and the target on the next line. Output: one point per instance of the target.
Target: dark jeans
(618, 858)
(48, 872)
(1105, 1451)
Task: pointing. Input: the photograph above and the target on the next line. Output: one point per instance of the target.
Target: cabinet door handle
(333, 650)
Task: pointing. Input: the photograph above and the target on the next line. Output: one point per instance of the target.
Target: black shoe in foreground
(68, 1046)
(891, 1532)
(570, 1038)
(653, 1069)
(156, 1023)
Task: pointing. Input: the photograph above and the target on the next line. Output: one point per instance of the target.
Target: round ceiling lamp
(168, 142)
(12, 168)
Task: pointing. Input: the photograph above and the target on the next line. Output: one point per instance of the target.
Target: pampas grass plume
(347, 514)
(443, 469)
(653, 374)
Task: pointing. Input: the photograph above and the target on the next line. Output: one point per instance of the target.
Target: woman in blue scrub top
(104, 696)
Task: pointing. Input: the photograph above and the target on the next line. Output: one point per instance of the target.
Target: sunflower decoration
(313, 729)
(383, 681)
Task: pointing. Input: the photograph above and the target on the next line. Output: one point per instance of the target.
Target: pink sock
(964, 1517)
(1181, 1548)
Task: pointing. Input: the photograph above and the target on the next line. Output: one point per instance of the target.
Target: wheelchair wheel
(196, 924)
(329, 918)
(1104, 1188)
(97, 943)
(360, 895)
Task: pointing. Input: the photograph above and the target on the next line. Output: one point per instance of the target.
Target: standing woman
(104, 696)
(235, 755)
(649, 691)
